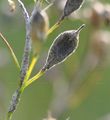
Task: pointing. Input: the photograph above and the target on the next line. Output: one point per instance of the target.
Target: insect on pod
(39, 27)
(63, 46)
(71, 6)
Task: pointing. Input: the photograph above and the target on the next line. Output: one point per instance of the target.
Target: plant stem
(25, 71)
(27, 48)
(33, 79)
(17, 95)
(14, 102)
(24, 66)
(55, 26)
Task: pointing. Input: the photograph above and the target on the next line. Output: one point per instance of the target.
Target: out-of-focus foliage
(79, 87)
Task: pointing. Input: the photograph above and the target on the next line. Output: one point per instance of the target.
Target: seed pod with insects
(39, 27)
(71, 6)
(63, 46)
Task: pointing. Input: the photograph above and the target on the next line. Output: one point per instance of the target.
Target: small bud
(63, 46)
(39, 27)
(12, 5)
(71, 6)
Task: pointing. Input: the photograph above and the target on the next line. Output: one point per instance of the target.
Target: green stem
(17, 95)
(14, 102)
(33, 79)
(55, 26)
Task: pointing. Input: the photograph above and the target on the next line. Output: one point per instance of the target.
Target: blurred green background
(57, 90)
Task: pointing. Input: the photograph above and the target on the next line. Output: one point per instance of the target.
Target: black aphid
(63, 46)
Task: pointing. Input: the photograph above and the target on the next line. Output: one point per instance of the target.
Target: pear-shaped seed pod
(39, 27)
(64, 45)
(71, 6)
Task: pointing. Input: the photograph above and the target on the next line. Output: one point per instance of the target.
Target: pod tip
(81, 27)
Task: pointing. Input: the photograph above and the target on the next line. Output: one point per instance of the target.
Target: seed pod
(39, 27)
(63, 46)
(71, 6)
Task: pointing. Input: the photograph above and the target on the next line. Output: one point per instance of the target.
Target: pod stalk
(80, 28)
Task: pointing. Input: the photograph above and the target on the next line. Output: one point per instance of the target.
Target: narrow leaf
(11, 50)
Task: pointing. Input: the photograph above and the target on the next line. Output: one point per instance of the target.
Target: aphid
(71, 6)
(39, 27)
(63, 46)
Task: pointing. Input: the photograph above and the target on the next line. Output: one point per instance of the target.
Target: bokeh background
(79, 88)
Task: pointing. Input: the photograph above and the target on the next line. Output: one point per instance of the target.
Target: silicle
(63, 46)
(71, 6)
